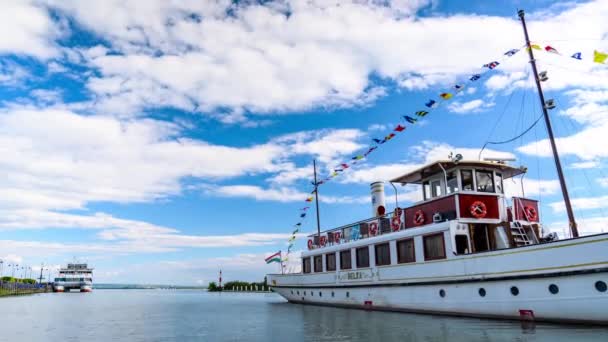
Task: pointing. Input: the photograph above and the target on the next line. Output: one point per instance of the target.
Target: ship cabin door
(480, 237)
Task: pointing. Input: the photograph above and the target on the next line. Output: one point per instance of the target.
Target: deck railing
(359, 230)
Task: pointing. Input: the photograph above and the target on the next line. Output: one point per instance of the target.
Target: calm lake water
(164, 315)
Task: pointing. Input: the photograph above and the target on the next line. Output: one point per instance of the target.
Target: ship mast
(314, 165)
(558, 165)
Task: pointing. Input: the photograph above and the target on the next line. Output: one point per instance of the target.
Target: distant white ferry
(76, 276)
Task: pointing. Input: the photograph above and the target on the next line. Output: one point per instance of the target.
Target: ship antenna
(314, 166)
(545, 105)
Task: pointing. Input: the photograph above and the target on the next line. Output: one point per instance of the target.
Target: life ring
(396, 223)
(478, 209)
(337, 237)
(373, 228)
(531, 214)
(309, 244)
(323, 241)
(419, 218)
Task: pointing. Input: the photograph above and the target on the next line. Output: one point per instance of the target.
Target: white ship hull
(577, 268)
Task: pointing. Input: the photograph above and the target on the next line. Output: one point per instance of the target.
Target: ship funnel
(378, 205)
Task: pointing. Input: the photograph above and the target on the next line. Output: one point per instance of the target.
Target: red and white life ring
(323, 240)
(531, 214)
(309, 244)
(337, 237)
(373, 228)
(419, 218)
(396, 223)
(478, 209)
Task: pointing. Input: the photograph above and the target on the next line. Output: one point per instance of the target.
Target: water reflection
(138, 315)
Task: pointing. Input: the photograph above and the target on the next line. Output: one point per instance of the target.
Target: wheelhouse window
(467, 179)
(436, 188)
(485, 181)
(318, 263)
(383, 254)
(452, 182)
(345, 261)
(426, 186)
(330, 262)
(362, 257)
(434, 247)
(405, 251)
(498, 181)
(306, 265)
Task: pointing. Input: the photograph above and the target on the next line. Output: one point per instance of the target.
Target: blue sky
(161, 142)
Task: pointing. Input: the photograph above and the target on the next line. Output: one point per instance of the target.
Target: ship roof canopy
(418, 175)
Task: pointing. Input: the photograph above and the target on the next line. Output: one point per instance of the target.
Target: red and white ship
(465, 249)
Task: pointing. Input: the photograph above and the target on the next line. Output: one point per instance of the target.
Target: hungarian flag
(276, 257)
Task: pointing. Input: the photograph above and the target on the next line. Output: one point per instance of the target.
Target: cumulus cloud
(473, 106)
(281, 194)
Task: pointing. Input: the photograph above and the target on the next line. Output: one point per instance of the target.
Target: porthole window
(298, 292)
(553, 289)
(291, 291)
(320, 294)
(312, 294)
(332, 293)
(601, 286)
(442, 293)
(482, 292)
(305, 293)
(514, 290)
(347, 294)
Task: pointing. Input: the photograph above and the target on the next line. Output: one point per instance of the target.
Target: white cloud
(582, 203)
(27, 29)
(326, 145)
(585, 165)
(11, 74)
(603, 182)
(59, 160)
(586, 226)
(281, 194)
(473, 106)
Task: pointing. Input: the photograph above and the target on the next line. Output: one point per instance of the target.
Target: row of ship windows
(600, 286)
(434, 248)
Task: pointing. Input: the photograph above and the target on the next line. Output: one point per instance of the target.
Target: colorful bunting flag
(421, 113)
(599, 57)
(511, 52)
(305, 208)
(371, 149)
(309, 199)
(475, 77)
(410, 119)
(378, 141)
(296, 231)
(446, 96)
(357, 157)
(334, 174)
(390, 136)
(458, 87)
(550, 49)
(399, 128)
(491, 65)
(431, 104)
(304, 214)
(577, 55)
(298, 224)
(535, 47)
(344, 166)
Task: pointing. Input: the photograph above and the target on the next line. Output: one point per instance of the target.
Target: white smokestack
(378, 205)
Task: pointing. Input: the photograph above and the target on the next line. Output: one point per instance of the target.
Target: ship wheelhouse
(463, 211)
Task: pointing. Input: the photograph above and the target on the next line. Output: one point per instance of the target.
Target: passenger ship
(76, 276)
(464, 250)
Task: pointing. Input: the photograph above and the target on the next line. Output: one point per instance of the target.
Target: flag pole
(314, 165)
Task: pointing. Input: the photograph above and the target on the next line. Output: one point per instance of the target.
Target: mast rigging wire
(512, 139)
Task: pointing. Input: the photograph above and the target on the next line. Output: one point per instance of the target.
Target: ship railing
(354, 231)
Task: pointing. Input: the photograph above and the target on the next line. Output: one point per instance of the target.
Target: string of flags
(598, 56)
(429, 106)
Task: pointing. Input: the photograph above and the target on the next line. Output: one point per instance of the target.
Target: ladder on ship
(520, 238)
